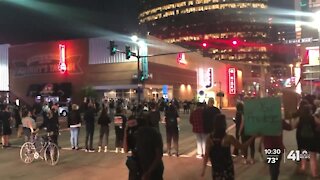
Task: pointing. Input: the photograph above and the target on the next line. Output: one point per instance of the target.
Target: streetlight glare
(134, 38)
(316, 20)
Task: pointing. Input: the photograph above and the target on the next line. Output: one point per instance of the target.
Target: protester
(306, 137)
(28, 124)
(196, 120)
(129, 142)
(154, 117)
(172, 129)
(6, 129)
(74, 122)
(52, 125)
(149, 151)
(104, 121)
(209, 114)
(89, 120)
(238, 120)
(219, 151)
(274, 143)
(244, 138)
(119, 125)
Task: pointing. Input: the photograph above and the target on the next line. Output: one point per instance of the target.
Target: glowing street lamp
(291, 66)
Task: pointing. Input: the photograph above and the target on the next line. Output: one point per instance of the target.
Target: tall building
(234, 30)
(309, 50)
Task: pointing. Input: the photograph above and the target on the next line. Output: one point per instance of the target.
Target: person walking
(244, 138)
(52, 125)
(74, 122)
(104, 121)
(172, 129)
(6, 129)
(306, 137)
(238, 120)
(89, 120)
(119, 125)
(196, 120)
(218, 150)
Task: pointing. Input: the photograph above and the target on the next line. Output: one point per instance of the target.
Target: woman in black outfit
(306, 136)
(172, 128)
(104, 121)
(218, 150)
(119, 126)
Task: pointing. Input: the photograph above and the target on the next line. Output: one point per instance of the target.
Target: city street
(81, 165)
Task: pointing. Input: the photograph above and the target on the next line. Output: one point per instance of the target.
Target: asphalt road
(81, 165)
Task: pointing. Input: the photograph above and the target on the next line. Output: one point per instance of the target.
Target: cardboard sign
(262, 116)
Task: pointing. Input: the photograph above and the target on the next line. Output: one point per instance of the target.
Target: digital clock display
(273, 155)
(272, 152)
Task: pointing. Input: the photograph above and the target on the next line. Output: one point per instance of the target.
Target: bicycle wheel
(27, 152)
(51, 154)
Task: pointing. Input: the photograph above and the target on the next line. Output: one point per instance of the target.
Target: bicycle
(42, 148)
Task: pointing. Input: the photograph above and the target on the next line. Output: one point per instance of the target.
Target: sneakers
(91, 150)
(117, 150)
(122, 150)
(99, 149)
(199, 156)
(105, 149)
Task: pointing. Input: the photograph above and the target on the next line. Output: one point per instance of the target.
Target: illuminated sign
(232, 80)
(181, 58)
(206, 78)
(62, 63)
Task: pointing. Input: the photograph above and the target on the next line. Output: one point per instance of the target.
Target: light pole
(139, 44)
(316, 24)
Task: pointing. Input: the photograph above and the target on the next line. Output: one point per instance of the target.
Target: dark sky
(43, 20)
(24, 21)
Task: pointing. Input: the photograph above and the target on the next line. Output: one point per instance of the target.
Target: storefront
(89, 65)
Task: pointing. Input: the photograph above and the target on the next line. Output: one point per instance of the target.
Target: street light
(291, 66)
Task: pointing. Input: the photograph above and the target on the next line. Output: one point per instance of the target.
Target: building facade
(176, 73)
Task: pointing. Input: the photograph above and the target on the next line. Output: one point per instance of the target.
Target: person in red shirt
(196, 120)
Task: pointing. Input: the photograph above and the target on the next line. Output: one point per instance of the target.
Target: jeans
(74, 131)
(201, 143)
(104, 132)
(274, 169)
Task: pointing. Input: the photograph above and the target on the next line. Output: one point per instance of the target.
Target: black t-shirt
(148, 141)
(154, 119)
(171, 119)
(209, 114)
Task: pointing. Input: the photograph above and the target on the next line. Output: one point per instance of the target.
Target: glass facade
(216, 22)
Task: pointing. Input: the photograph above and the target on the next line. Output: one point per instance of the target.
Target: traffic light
(113, 48)
(205, 49)
(141, 78)
(128, 52)
(234, 42)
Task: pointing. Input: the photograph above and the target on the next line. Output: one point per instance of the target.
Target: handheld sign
(262, 116)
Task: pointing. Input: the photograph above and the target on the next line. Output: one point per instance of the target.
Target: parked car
(63, 109)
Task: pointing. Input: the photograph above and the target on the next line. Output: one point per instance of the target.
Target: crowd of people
(138, 132)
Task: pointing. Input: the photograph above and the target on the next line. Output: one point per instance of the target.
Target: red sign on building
(232, 80)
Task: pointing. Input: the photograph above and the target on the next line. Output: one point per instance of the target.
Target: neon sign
(232, 80)
(181, 58)
(206, 78)
(62, 64)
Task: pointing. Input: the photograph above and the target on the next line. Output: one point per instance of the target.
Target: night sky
(24, 21)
